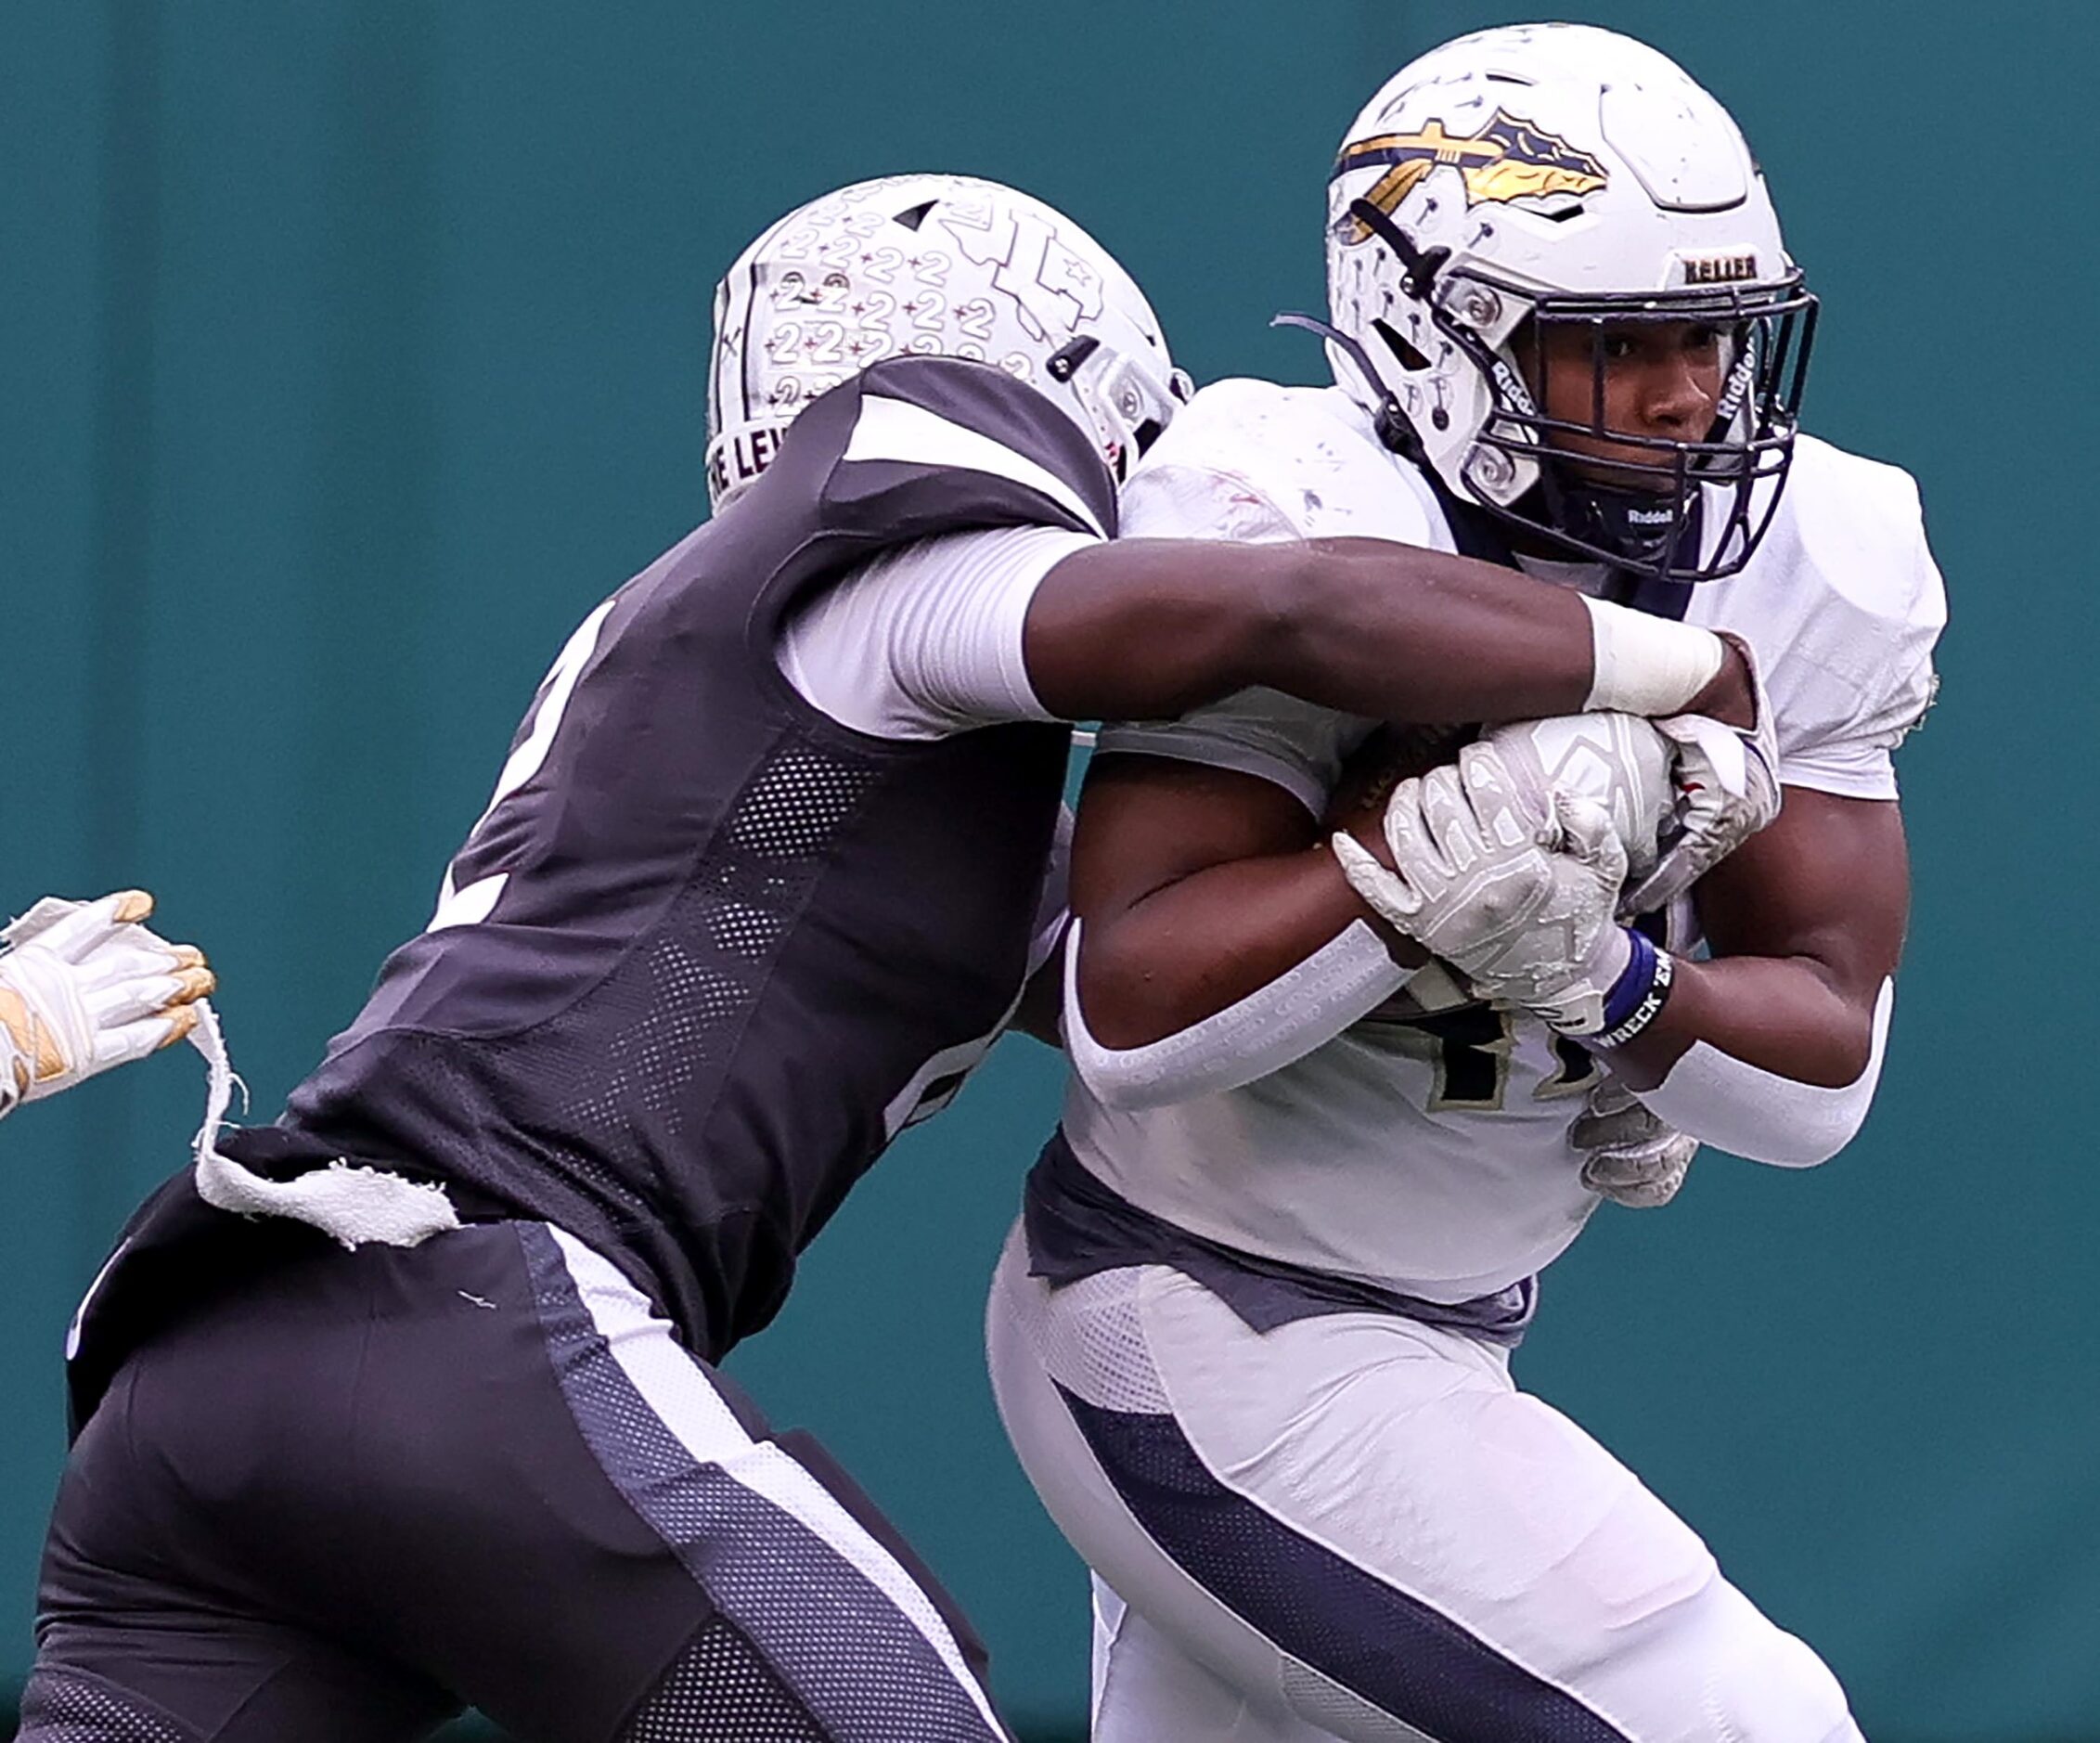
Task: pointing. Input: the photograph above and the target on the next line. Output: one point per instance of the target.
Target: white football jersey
(1428, 1152)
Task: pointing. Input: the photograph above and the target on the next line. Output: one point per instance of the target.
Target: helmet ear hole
(1410, 359)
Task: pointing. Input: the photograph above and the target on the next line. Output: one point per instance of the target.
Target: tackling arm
(1146, 629)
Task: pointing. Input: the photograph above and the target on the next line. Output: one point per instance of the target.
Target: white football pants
(1355, 1526)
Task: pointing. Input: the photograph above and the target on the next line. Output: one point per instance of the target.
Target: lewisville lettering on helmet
(1540, 175)
(933, 266)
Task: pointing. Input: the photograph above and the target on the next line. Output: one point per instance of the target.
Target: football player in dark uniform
(433, 1420)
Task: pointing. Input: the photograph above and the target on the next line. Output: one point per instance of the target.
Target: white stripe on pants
(678, 1392)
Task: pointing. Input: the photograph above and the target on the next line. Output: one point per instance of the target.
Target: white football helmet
(938, 265)
(1559, 173)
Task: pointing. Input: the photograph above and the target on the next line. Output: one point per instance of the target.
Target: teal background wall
(350, 351)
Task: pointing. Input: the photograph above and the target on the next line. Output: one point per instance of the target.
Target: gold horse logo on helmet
(1508, 160)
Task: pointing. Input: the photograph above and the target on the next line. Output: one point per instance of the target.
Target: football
(1619, 760)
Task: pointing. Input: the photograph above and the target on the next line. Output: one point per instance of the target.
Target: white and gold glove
(83, 986)
(1729, 783)
(1630, 1156)
(1523, 906)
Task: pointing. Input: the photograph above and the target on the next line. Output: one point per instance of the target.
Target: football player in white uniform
(85, 986)
(1251, 1337)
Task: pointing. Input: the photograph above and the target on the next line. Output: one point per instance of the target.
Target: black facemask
(1646, 521)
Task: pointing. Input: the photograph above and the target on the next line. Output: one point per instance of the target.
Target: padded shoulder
(1305, 458)
(1844, 604)
(943, 443)
(1859, 525)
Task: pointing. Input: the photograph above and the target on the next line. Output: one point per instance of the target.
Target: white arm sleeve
(926, 639)
(1343, 981)
(1762, 1116)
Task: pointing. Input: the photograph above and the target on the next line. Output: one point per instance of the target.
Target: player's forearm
(1148, 630)
(1211, 940)
(1779, 1015)
(1417, 637)
(1761, 1056)
(1773, 1048)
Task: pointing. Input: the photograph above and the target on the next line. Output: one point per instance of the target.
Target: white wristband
(1344, 980)
(1647, 666)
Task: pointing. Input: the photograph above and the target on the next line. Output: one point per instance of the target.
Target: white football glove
(1618, 760)
(85, 987)
(1628, 1154)
(1521, 905)
(1728, 781)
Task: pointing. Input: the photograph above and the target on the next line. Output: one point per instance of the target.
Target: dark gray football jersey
(709, 951)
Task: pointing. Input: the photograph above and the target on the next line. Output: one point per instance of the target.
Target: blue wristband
(1633, 982)
(1638, 995)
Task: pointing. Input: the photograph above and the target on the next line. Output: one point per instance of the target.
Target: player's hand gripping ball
(1517, 904)
(1728, 785)
(85, 985)
(1619, 761)
(1509, 865)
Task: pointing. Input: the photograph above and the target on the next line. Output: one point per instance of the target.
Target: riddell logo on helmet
(1506, 161)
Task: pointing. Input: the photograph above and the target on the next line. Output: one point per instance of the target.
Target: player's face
(1653, 379)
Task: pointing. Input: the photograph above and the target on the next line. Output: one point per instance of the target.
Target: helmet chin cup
(1644, 528)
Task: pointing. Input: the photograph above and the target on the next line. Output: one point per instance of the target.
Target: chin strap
(1395, 429)
(1637, 522)
(1422, 264)
(1391, 424)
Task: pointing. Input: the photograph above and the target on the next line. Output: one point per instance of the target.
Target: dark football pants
(364, 1490)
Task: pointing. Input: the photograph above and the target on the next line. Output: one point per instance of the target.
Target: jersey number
(1473, 1045)
(474, 903)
